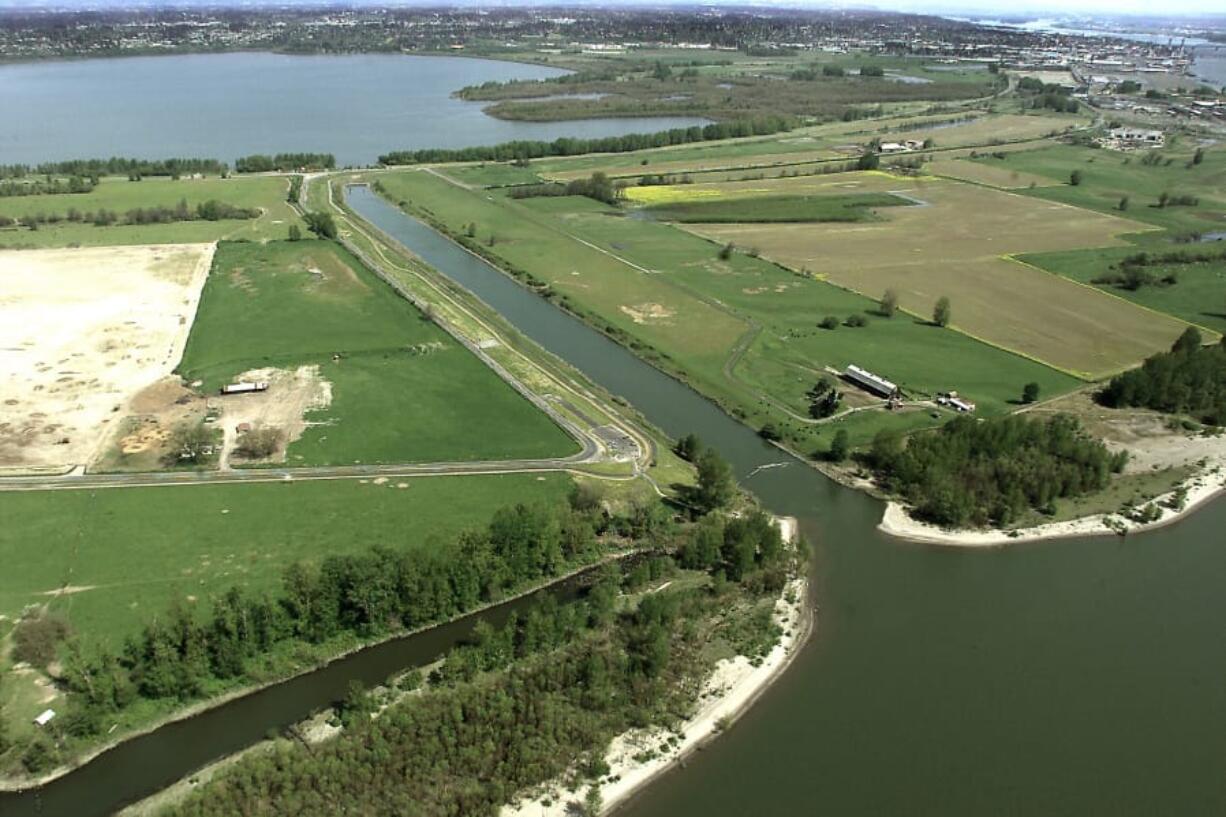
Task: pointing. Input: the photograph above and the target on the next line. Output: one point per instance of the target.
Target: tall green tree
(716, 487)
(942, 312)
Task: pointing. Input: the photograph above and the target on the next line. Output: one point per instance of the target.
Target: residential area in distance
(468, 411)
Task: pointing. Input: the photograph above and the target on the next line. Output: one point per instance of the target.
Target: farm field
(769, 209)
(383, 383)
(815, 144)
(109, 560)
(1108, 176)
(1198, 296)
(120, 195)
(965, 169)
(82, 331)
(763, 368)
(957, 245)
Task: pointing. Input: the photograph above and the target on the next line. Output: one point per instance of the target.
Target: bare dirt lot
(82, 332)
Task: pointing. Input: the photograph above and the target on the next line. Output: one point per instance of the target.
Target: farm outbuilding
(868, 380)
(245, 387)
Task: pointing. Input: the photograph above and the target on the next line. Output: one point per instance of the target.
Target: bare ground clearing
(82, 332)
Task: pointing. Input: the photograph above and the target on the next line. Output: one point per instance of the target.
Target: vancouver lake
(228, 105)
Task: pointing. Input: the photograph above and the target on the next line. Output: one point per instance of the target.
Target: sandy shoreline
(733, 687)
(1208, 483)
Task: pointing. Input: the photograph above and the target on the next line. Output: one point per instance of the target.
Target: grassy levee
(402, 390)
(582, 402)
(122, 556)
(266, 193)
(676, 279)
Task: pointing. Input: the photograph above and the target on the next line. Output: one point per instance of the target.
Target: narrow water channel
(1077, 677)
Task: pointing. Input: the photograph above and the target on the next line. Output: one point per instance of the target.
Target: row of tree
(47, 186)
(180, 653)
(211, 210)
(1189, 379)
(262, 163)
(568, 146)
(978, 472)
(598, 186)
(115, 166)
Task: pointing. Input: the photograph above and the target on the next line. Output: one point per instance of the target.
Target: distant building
(871, 382)
(245, 387)
(1133, 139)
(44, 717)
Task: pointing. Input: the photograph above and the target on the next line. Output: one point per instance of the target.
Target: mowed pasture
(82, 331)
(401, 389)
(267, 193)
(958, 245)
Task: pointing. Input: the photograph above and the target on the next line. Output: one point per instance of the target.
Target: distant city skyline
(1032, 8)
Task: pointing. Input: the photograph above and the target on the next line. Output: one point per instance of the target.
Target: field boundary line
(1101, 291)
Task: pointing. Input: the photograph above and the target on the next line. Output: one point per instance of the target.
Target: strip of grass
(853, 207)
(402, 389)
(264, 192)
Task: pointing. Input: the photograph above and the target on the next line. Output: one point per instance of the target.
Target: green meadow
(119, 195)
(402, 389)
(769, 209)
(130, 552)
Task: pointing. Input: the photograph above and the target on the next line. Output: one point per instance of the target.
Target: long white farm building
(870, 381)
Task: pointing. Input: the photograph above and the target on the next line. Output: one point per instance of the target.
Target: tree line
(979, 472)
(536, 699)
(1189, 379)
(184, 652)
(115, 166)
(568, 146)
(47, 186)
(261, 163)
(598, 186)
(211, 210)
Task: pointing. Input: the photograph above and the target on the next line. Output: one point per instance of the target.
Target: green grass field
(493, 174)
(1108, 176)
(846, 208)
(668, 288)
(1199, 296)
(402, 391)
(118, 194)
(137, 549)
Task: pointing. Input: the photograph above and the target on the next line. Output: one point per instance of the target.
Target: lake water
(229, 105)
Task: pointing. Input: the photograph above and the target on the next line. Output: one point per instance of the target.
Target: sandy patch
(648, 312)
(1208, 482)
(82, 331)
(290, 395)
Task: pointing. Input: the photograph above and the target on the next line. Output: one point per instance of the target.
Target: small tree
(322, 224)
(295, 232)
(593, 803)
(869, 160)
(856, 321)
(829, 322)
(190, 442)
(725, 252)
(839, 446)
(942, 312)
(1189, 341)
(715, 484)
(1163, 198)
(1074, 178)
(1030, 393)
(889, 303)
(1123, 203)
(471, 229)
(688, 447)
(1198, 156)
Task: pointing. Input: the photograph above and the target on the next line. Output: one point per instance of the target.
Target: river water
(224, 106)
(1077, 677)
